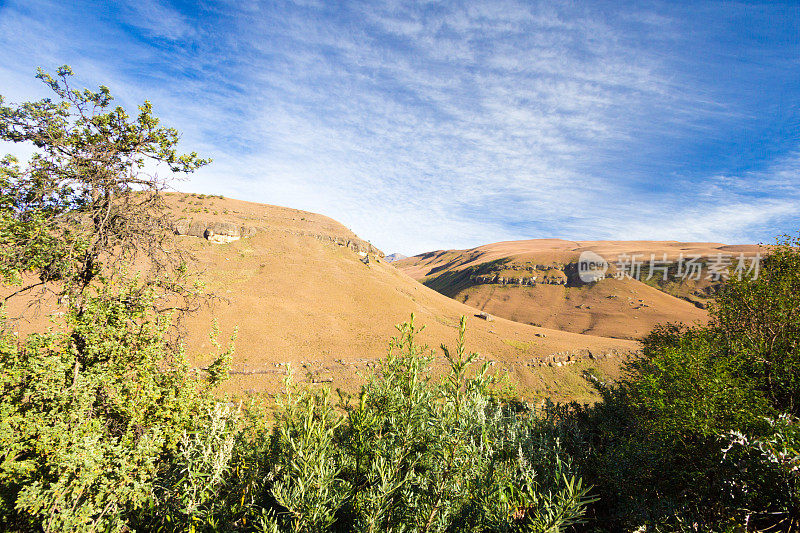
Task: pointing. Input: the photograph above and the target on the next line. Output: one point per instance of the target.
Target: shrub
(102, 421)
(104, 427)
(758, 322)
(659, 447)
(410, 453)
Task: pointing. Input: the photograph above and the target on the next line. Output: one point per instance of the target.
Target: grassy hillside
(300, 294)
(536, 282)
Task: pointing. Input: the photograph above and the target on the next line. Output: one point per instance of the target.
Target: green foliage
(101, 421)
(688, 440)
(694, 387)
(413, 454)
(104, 427)
(775, 456)
(758, 320)
(88, 201)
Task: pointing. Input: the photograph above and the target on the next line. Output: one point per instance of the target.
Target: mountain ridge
(537, 282)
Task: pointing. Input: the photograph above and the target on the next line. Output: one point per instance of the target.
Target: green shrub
(758, 322)
(411, 453)
(104, 427)
(671, 447)
(102, 421)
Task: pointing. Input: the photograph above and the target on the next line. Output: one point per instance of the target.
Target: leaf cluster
(411, 453)
(88, 202)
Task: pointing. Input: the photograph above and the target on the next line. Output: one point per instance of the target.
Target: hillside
(303, 290)
(537, 282)
(300, 293)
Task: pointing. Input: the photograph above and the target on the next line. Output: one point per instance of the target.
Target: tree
(88, 203)
(758, 320)
(103, 425)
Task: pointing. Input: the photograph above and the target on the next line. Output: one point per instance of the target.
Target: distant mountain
(537, 282)
(395, 257)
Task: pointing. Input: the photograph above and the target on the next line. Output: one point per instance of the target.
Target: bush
(104, 427)
(412, 454)
(688, 440)
(758, 323)
(99, 423)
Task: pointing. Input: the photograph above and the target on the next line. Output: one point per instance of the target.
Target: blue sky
(435, 125)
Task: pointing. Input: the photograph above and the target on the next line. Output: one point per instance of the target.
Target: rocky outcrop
(217, 232)
(225, 232)
(355, 244)
(574, 356)
(519, 280)
(504, 273)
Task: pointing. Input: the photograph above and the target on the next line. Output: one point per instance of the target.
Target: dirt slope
(299, 292)
(536, 282)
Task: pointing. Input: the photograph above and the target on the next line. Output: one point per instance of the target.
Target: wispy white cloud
(440, 124)
(754, 206)
(158, 19)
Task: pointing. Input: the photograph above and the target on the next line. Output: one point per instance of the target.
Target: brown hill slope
(537, 282)
(297, 287)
